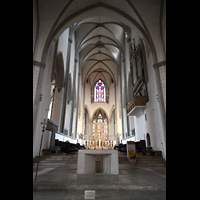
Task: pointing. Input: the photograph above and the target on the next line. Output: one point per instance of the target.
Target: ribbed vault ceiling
(99, 43)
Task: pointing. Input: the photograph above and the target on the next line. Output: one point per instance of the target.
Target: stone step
(57, 161)
(122, 159)
(56, 158)
(151, 161)
(64, 186)
(67, 159)
(150, 157)
(151, 164)
(48, 163)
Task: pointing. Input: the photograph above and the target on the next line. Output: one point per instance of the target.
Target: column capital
(159, 64)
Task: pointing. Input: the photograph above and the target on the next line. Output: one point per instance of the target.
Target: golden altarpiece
(100, 139)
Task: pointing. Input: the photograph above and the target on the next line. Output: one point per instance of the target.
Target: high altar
(99, 140)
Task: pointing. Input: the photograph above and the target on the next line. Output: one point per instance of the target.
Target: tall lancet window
(100, 92)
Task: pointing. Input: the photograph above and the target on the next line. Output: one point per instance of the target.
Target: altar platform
(133, 181)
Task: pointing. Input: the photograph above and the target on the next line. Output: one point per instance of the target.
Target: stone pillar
(38, 103)
(73, 114)
(161, 103)
(125, 126)
(77, 100)
(63, 108)
(56, 105)
(120, 75)
(36, 71)
(117, 139)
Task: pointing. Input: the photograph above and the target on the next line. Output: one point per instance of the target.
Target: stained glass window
(100, 92)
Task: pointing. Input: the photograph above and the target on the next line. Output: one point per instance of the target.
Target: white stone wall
(131, 124)
(43, 106)
(63, 45)
(57, 104)
(153, 123)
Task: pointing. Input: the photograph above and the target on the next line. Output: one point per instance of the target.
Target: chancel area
(99, 78)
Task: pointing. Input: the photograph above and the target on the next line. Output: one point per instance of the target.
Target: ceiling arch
(99, 66)
(66, 19)
(90, 49)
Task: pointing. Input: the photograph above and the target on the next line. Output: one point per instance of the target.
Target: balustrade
(136, 101)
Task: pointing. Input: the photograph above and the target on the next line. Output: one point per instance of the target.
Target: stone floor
(99, 194)
(133, 182)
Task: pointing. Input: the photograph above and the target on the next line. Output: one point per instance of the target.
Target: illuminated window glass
(100, 92)
(100, 119)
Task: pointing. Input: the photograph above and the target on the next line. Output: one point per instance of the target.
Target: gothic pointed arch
(89, 113)
(108, 10)
(111, 111)
(100, 110)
